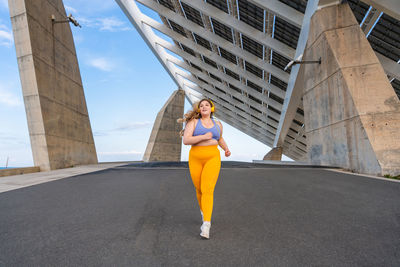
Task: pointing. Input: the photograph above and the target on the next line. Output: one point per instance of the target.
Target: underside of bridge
(237, 53)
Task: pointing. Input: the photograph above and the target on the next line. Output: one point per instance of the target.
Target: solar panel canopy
(234, 52)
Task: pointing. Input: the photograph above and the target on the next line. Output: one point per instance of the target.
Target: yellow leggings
(204, 166)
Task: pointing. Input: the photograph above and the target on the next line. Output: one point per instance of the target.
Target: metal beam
(389, 7)
(133, 13)
(247, 119)
(229, 99)
(243, 125)
(256, 124)
(213, 38)
(240, 26)
(298, 136)
(255, 127)
(326, 3)
(391, 67)
(293, 154)
(135, 17)
(294, 93)
(212, 55)
(281, 10)
(229, 94)
(226, 95)
(234, 123)
(219, 74)
(294, 144)
(370, 20)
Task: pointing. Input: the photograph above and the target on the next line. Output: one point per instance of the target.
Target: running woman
(204, 134)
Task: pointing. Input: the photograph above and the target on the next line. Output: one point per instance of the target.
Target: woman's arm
(189, 139)
(222, 143)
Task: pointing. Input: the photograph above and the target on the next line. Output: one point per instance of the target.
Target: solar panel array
(232, 65)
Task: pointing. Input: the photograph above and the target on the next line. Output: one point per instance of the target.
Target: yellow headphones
(212, 106)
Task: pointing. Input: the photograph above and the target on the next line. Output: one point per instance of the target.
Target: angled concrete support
(274, 154)
(55, 104)
(352, 114)
(165, 143)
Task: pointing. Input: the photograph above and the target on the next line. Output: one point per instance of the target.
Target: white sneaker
(205, 230)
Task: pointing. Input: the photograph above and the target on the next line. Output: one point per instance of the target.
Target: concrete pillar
(352, 114)
(165, 143)
(274, 154)
(55, 104)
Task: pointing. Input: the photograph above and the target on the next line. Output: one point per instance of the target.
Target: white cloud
(12, 139)
(131, 152)
(101, 64)
(9, 99)
(6, 37)
(111, 24)
(133, 126)
(70, 9)
(124, 128)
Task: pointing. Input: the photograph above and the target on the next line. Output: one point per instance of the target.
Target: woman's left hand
(227, 153)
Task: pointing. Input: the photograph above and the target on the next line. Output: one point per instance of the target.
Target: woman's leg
(196, 167)
(209, 177)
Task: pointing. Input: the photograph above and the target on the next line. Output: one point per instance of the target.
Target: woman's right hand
(207, 136)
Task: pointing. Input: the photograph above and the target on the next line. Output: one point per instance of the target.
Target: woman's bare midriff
(211, 142)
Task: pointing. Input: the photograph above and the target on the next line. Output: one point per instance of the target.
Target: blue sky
(125, 86)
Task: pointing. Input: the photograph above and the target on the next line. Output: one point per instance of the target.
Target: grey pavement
(147, 215)
(13, 182)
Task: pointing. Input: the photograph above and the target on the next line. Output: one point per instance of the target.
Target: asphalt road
(148, 216)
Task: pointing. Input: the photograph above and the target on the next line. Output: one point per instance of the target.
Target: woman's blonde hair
(193, 114)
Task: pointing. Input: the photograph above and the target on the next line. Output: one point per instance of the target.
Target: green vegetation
(392, 177)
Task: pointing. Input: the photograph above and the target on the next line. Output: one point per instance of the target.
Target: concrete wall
(352, 114)
(274, 154)
(55, 104)
(17, 171)
(165, 143)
